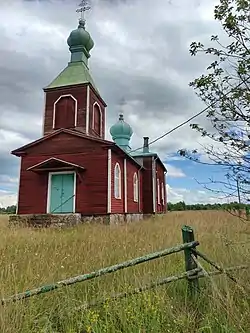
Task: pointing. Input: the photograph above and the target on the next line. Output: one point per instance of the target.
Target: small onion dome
(80, 37)
(121, 129)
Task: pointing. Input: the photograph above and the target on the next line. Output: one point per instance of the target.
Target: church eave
(149, 154)
(124, 153)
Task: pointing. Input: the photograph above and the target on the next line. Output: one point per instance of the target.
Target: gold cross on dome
(83, 7)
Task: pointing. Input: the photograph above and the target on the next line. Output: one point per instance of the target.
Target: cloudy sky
(141, 54)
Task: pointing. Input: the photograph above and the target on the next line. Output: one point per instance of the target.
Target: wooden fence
(193, 271)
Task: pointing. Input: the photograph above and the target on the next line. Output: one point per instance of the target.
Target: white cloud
(196, 196)
(191, 196)
(145, 61)
(174, 172)
(7, 199)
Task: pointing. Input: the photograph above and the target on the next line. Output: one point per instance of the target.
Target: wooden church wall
(134, 207)
(64, 143)
(91, 190)
(117, 205)
(96, 102)
(79, 93)
(160, 175)
(147, 186)
(32, 196)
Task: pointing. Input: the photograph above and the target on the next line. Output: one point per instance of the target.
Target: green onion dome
(121, 129)
(80, 38)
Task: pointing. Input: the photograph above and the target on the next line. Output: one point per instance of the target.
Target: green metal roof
(74, 73)
(141, 153)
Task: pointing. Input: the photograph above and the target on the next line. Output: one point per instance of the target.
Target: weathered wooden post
(193, 284)
(247, 212)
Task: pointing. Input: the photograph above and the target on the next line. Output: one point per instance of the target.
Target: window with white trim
(136, 187)
(158, 191)
(117, 181)
(64, 112)
(162, 193)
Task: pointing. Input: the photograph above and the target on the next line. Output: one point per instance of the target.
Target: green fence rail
(193, 272)
(95, 274)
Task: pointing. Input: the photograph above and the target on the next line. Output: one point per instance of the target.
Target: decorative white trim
(44, 111)
(18, 190)
(93, 116)
(49, 188)
(139, 189)
(104, 134)
(109, 182)
(54, 108)
(135, 187)
(55, 159)
(154, 184)
(87, 109)
(162, 193)
(158, 192)
(125, 187)
(117, 165)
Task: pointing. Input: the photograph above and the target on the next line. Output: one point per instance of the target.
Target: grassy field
(30, 258)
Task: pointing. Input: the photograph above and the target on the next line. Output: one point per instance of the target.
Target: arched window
(64, 112)
(135, 187)
(158, 191)
(117, 181)
(162, 193)
(97, 119)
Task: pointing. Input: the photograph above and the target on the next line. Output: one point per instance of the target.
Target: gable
(52, 164)
(62, 142)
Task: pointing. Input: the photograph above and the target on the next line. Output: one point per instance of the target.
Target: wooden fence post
(193, 284)
(247, 212)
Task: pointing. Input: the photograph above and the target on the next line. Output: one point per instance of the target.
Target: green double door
(62, 193)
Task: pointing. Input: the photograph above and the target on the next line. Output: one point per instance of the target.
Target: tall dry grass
(30, 258)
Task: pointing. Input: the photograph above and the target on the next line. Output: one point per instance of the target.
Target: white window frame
(162, 193)
(54, 108)
(135, 187)
(158, 191)
(117, 181)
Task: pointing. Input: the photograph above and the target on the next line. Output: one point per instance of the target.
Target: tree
(225, 88)
(8, 210)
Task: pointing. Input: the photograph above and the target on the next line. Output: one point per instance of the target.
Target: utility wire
(189, 119)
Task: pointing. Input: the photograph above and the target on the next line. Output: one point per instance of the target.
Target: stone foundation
(45, 220)
(68, 220)
(124, 218)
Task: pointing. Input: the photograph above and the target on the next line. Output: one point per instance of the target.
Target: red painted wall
(92, 183)
(94, 98)
(160, 208)
(147, 186)
(32, 198)
(91, 192)
(133, 207)
(79, 92)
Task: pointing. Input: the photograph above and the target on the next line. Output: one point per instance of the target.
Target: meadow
(31, 258)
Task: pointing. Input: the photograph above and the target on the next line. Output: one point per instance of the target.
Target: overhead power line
(189, 119)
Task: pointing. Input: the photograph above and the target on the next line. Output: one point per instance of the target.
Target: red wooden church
(72, 169)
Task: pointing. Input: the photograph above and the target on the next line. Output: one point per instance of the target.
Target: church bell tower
(72, 99)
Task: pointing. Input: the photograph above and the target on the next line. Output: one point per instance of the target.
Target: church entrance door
(61, 193)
